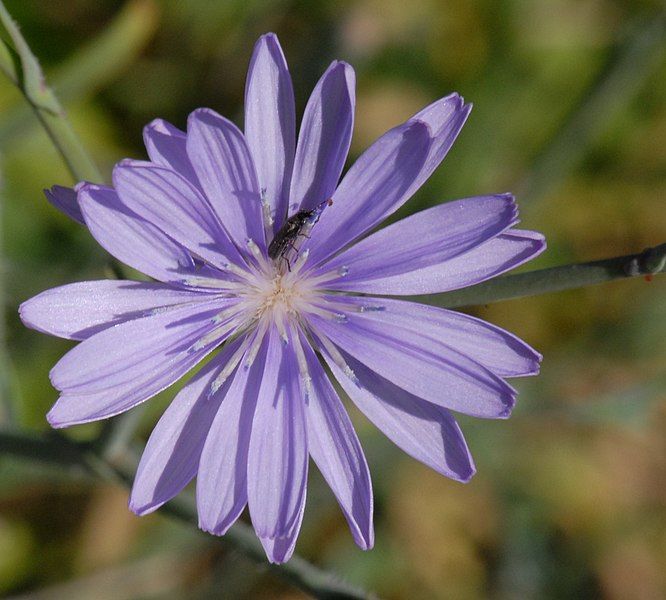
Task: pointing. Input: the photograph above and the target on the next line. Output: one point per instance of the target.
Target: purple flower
(199, 218)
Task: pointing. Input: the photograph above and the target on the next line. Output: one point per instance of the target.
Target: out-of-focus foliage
(569, 499)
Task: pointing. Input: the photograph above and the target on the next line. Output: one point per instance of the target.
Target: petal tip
(24, 313)
(270, 41)
(155, 125)
(54, 421)
(467, 476)
(141, 508)
(278, 550)
(365, 541)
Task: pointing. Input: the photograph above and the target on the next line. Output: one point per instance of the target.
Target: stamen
(213, 336)
(211, 282)
(328, 276)
(281, 327)
(306, 379)
(298, 265)
(225, 314)
(337, 358)
(228, 369)
(327, 313)
(259, 257)
(159, 310)
(266, 213)
(330, 304)
(371, 308)
(256, 344)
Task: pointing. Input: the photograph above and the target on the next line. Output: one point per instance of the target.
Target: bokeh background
(569, 499)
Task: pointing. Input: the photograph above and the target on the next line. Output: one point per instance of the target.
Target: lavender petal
(278, 456)
(64, 199)
(122, 366)
(175, 206)
(324, 138)
(222, 161)
(222, 478)
(496, 349)
(425, 431)
(337, 453)
(426, 238)
(131, 239)
(79, 310)
(280, 549)
(494, 257)
(270, 122)
(166, 146)
(375, 186)
(422, 366)
(171, 457)
(445, 117)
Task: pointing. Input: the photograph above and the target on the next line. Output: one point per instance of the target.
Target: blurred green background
(570, 496)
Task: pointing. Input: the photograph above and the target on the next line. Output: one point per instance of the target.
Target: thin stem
(78, 459)
(92, 66)
(22, 68)
(648, 263)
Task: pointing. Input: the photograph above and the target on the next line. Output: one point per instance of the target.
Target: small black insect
(297, 226)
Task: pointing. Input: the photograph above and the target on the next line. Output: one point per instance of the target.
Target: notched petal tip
(365, 541)
(201, 113)
(268, 37)
(141, 509)
(162, 126)
(132, 163)
(65, 200)
(270, 42)
(54, 421)
(278, 550)
(25, 312)
(510, 404)
(466, 477)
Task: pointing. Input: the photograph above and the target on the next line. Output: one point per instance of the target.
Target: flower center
(280, 295)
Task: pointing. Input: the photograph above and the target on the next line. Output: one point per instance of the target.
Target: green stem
(92, 66)
(649, 262)
(22, 68)
(79, 459)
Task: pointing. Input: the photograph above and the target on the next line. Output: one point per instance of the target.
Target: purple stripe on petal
(494, 348)
(166, 146)
(374, 187)
(428, 237)
(425, 431)
(131, 239)
(445, 117)
(175, 206)
(278, 457)
(422, 366)
(171, 457)
(337, 452)
(64, 199)
(222, 478)
(324, 138)
(270, 122)
(124, 365)
(225, 169)
(499, 255)
(279, 550)
(79, 310)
